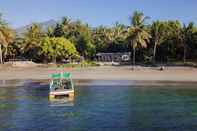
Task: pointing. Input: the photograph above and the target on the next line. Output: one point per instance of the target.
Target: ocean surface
(100, 106)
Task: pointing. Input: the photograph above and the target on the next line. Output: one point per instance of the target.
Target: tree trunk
(184, 55)
(5, 54)
(54, 59)
(154, 52)
(1, 55)
(133, 58)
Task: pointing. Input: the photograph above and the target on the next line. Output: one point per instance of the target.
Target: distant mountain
(44, 25)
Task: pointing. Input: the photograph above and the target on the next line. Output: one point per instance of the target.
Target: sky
(95, 12)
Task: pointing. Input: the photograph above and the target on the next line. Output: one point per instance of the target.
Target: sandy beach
(183, 74)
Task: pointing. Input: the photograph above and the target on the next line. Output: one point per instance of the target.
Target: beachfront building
(113, 57)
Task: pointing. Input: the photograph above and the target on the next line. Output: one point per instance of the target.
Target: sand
(182, 74)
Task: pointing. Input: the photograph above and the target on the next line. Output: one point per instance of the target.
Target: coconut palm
(99, 38)
(186, 38)
(119, 31)
(158, 31)
(32, 38)
(14, 49)
(6, 37)
(137, 34)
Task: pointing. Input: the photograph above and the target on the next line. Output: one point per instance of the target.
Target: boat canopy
(63, 75)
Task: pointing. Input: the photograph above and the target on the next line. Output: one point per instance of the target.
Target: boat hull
(68, 93)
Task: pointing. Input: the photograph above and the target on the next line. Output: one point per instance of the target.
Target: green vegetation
(6, 37)
(156, 42)
(138, 35)
(53, 48)
(81, 64)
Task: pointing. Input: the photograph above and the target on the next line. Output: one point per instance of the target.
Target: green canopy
(64, 75)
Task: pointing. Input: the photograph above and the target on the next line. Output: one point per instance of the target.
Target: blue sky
(96, 12)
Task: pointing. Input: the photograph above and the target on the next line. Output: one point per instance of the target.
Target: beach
(182, 74)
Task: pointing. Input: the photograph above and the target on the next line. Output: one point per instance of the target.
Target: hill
(44, 25)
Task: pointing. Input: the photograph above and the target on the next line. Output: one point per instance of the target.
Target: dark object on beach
(161, 68)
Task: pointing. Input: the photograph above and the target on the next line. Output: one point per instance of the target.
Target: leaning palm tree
(6, 37)
(186, 34)
(137, 34)
(158, 31)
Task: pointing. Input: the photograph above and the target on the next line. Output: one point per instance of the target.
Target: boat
(65, 101)
(61, 85)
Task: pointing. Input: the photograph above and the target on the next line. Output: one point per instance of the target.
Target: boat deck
(62, 92)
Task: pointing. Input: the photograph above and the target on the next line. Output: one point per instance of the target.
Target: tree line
(159, 41)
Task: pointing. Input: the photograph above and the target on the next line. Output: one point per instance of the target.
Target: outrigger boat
(61, 85)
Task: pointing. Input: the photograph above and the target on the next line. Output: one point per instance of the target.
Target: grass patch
(79, 65)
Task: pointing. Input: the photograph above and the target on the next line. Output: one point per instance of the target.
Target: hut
(113, 57)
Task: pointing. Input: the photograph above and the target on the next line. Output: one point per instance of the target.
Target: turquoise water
(100, 107)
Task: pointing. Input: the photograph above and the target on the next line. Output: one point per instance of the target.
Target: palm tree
(137, 34)
(119, 31)
(158, 31)
(99, 38)
(185, 38)
(6, 37)
(14, 49)
(32, 39)
(66, 25)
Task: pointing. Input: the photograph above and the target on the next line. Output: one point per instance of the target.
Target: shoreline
(170, 74)
(104, 83)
